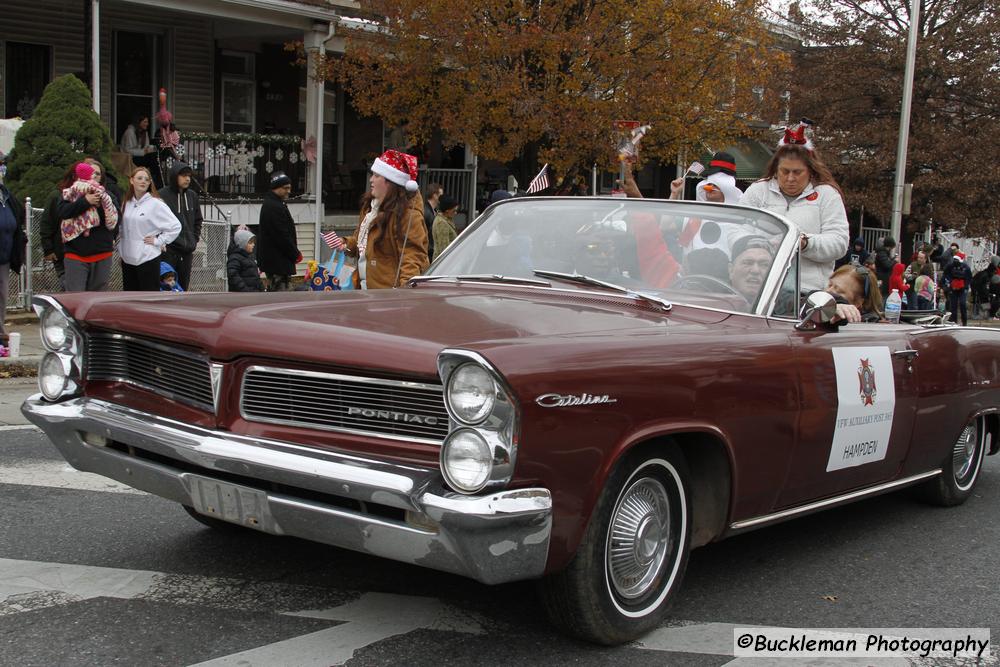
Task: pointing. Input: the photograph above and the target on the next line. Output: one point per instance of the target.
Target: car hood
(400, 331)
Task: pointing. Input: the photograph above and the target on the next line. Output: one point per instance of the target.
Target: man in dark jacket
(958, 279)
(184, 203)
(50, 234)
(432, 195)
(885, 259)
(277, 250)
(855, 256)
(13, 240)
(244, 276)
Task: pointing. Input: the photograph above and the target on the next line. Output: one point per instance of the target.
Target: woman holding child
(88, 222)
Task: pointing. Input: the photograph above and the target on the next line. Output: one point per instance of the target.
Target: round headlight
(471, 393)
(466, 461)
(52, 376)
(56, 331)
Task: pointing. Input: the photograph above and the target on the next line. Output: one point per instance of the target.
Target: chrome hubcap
(964, 453)
(640, 538)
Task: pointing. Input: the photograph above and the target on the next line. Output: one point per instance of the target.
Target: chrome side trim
(830, 502)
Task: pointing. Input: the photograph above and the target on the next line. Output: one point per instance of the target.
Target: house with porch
(242, 106)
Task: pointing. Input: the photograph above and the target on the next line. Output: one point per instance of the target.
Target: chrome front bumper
(493, 538)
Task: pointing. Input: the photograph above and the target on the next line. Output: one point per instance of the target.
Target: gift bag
(333, 275)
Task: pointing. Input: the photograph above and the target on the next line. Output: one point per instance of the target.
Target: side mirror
(820, 308)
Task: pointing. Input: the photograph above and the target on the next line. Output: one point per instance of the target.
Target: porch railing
(232, 165)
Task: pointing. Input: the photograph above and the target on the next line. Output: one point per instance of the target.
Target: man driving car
(751, 260)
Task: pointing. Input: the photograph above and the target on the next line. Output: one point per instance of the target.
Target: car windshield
(686, 252)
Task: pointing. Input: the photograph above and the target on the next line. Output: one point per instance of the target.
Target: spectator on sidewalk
(390, 241)
(13, 240)
(148, 225)
(958, 278)
(49, 230)
(168, 279)
(242, 270)
(135, 142)
(885, 259)
(277, 248)
(432, 196)
(855, 255)
(88, 224)
(444, 224)
(897, 283)
(924, 287)
(184, 203)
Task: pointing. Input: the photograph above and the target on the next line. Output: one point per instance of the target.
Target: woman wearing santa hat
(390, 241)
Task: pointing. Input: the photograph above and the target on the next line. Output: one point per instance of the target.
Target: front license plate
(230, 502)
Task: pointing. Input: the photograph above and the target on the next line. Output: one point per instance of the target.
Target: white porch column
(315, 43)
(95, 54)
(313, 40)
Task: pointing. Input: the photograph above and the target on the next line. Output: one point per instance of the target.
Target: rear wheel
(961, 469)
(633, 555)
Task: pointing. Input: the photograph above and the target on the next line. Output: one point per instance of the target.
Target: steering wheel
(707, 283)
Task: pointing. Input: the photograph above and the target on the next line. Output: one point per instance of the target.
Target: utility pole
(904, 121)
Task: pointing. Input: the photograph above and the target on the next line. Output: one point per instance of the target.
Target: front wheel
(961, 469)
(633, 556)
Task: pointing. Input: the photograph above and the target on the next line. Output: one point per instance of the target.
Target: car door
(858, 397)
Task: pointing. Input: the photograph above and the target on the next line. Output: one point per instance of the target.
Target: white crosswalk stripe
(363, 618)
(59, 475)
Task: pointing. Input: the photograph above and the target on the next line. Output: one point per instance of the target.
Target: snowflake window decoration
(279, 154)
(260, 151)
(209, 154)
(269, 167)
(293, 157)
(240, 163)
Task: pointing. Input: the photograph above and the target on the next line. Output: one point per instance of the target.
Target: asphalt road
(92, 574)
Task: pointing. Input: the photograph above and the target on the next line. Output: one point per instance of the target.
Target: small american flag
(696, 168)
(332, 240)
(540, 182)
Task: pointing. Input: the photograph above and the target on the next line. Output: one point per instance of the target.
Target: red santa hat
(400, 168)
(798, 135)
(959, 255)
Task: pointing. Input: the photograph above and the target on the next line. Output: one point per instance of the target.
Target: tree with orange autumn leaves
(512, 77)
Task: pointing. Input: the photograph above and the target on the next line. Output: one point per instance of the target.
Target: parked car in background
(579, 391)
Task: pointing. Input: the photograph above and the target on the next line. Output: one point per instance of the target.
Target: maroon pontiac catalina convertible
(579, 391)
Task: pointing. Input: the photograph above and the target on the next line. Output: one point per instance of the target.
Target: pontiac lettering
(568, 400)
(392, 415)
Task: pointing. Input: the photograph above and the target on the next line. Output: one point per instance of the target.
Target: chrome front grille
(370, 406)
(173, 372)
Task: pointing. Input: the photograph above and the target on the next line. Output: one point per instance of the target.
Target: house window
(138, 77)
(28, 71)
(239, 91)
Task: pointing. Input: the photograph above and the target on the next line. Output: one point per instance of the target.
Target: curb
(22, 317)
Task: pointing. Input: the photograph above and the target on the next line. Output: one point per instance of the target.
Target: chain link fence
(38, 276)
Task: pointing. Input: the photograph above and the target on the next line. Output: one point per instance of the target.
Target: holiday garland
(236, 137)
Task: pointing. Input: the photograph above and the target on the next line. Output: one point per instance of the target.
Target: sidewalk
(26, 324)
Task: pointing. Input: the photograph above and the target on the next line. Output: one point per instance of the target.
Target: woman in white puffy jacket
(800, 187)
(147, 226)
